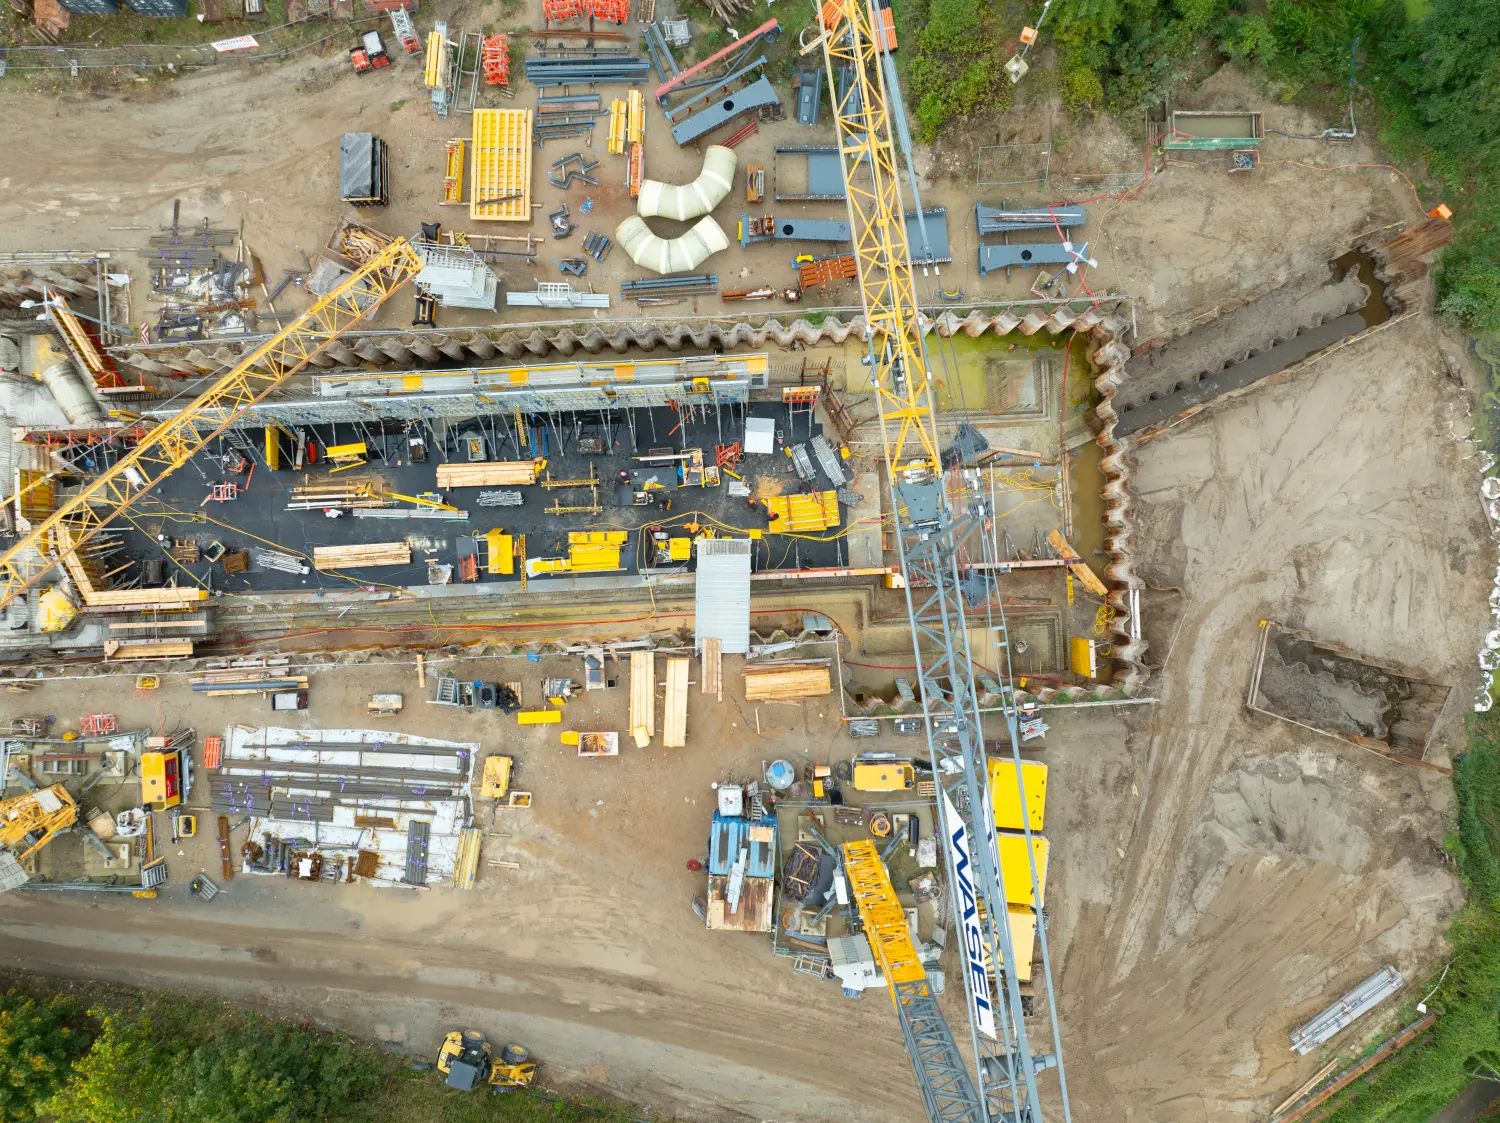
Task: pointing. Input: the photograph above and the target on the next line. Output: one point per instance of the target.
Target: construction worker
(663, 503)
(751, 503)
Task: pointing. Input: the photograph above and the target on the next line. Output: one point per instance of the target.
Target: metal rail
(929, 536)
(171, 444)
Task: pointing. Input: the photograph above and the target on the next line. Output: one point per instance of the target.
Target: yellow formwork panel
(617, 117)
(539, 717)
(500, 165)
(635, 128)
(453, 173)
(598, 537)
(1006, 793)
(594, 559)
(1015, 870)
(435, 64)
(801, 514)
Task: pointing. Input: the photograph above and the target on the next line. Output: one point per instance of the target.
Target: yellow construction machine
(466, 1061)
(27, 823)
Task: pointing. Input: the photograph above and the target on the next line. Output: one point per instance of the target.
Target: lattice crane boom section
(947, 1086)
(868, 149)
(171, 444)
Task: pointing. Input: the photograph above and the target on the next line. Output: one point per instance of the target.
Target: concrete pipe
(670, 255)
(689, 200)
(71, 393)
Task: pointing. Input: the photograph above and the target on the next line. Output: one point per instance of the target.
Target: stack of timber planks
(148, 649)
(786, 682)
(491, 473)
(218, 684)
(713, 667)
(642, 697)
(357, 557)
(674, 724)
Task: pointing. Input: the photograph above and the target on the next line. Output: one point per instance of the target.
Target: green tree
(179, 1060)
(38, 1046)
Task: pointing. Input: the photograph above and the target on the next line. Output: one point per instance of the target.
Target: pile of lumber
(786, 682)
(358, 557)
(674, 724)
(642, 697)
(713, 667)
(344, 494)
(491, 473)
(219, 684)
(148, 649)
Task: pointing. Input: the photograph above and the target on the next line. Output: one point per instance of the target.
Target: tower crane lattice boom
(170, 445)
(930, 534)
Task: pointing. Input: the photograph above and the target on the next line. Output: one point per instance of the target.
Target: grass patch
(1465, 1042)
(397, 104)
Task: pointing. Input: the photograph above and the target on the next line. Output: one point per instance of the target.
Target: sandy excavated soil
(1262, 870)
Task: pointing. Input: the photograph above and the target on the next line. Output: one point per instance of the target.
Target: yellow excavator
(27, 823)
(466, 1061)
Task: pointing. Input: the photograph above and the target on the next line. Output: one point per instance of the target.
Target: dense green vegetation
(1427, 78)
(173, 1059)
(1466, 1040)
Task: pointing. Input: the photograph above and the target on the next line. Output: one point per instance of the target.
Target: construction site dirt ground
(1216, 877)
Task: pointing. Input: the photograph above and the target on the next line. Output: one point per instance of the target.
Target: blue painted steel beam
(752, 97)
(1022, 256)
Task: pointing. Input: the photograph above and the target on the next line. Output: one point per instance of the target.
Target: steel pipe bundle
(699, 284)
(587, 71)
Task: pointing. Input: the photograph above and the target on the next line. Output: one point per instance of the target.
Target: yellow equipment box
(163, 780)
(1006, 794)
(496, 780)
(884, 775)
(1015, 870)
(539, 717)
(501, 558)
(679, 549)
(1022, 940)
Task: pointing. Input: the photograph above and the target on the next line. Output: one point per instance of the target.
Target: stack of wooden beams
(344, 494)
(219, 684)
(492, 473)
(642, 697)
(148, 649)
(713, 667)
(786, 682)
(360, 556)
(674, 725)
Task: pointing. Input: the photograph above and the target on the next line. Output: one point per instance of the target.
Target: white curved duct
(71, 393)
(689, 200)
(670, 255)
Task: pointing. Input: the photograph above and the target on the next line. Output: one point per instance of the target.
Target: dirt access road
(1215, 879)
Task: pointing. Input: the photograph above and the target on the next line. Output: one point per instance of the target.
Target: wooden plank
(674, 725)
(1077, 565)
(786, 684)
(167, 649)
(359, 556)
(490, 473)
(713, 667)
(193, 623)
(642, 697)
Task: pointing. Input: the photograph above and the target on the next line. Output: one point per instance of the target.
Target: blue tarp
(727, 836)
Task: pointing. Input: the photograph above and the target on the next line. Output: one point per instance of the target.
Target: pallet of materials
(489, 473)
(800, 514)
(360, 556)
(814, 273)
(598, 744)
(145, 649)
(364, 170)
(674, 724)
(642, 697)
(500, 165)
(783, 682)
(222, 684)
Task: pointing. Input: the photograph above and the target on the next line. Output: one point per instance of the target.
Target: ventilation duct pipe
(689, 200)
(670, 255)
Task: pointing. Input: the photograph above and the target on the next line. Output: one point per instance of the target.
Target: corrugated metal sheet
(729, 835)
(723, 593)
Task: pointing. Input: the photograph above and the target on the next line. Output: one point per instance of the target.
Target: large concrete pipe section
(689, 200)
(670, 255)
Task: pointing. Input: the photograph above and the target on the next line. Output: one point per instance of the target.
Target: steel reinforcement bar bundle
(590, 70)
